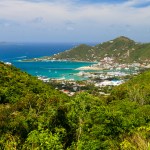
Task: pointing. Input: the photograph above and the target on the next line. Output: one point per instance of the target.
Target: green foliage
(138, 140)
(9, 142)
(136, 89)
(24, 103)
(77, 52)
(42, 139)
(122, 49)
(35, 116)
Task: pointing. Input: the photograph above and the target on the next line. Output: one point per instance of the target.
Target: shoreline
(84, 68)
(88, 68)
(92, 62)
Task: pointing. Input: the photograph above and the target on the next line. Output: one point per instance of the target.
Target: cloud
(138, 3)
(37, 20)
(88, 18)
(8, 23)
(69, 22)
(69, 28)
(57, 11)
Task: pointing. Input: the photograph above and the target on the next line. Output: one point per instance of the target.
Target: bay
(12, 52)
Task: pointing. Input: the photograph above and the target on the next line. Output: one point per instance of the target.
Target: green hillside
(34, 116)
(77, 52)
(136, 89)
(26, 105)
(121, 49)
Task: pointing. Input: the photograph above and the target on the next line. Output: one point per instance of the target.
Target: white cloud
(37, 20)
(57, 12)
(137, 2)
(49, 15)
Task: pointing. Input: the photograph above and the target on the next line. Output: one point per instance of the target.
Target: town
(101, 77)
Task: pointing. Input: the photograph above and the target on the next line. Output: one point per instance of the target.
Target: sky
(74, 20)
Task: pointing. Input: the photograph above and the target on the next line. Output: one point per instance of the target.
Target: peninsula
(121, 50)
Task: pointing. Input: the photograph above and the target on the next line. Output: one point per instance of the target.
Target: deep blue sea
(12, 52)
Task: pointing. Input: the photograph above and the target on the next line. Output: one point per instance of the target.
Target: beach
(89, 68)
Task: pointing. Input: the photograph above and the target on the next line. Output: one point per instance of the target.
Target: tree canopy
(33, 115)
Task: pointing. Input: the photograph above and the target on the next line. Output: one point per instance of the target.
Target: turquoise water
(56, 69)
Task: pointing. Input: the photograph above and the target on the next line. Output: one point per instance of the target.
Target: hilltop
(121, 49)
(33, 115)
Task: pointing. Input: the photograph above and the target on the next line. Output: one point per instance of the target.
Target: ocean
(12, 52)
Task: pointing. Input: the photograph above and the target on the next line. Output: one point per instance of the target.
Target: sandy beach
(89, 68)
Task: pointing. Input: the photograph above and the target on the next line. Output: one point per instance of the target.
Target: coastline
(88, 68)
(33, 60)
(84, 68)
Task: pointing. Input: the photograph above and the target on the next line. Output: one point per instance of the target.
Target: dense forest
(34, 116)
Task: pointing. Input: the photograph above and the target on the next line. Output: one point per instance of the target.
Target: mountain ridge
(121, 49)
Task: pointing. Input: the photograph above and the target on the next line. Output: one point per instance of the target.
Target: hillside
(35, 116)
(77, 52)
(137, 89)
(16, 85)
(121, 49)
(26, 104)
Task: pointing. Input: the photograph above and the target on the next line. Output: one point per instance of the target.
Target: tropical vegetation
(34, 116)
(121, 49)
